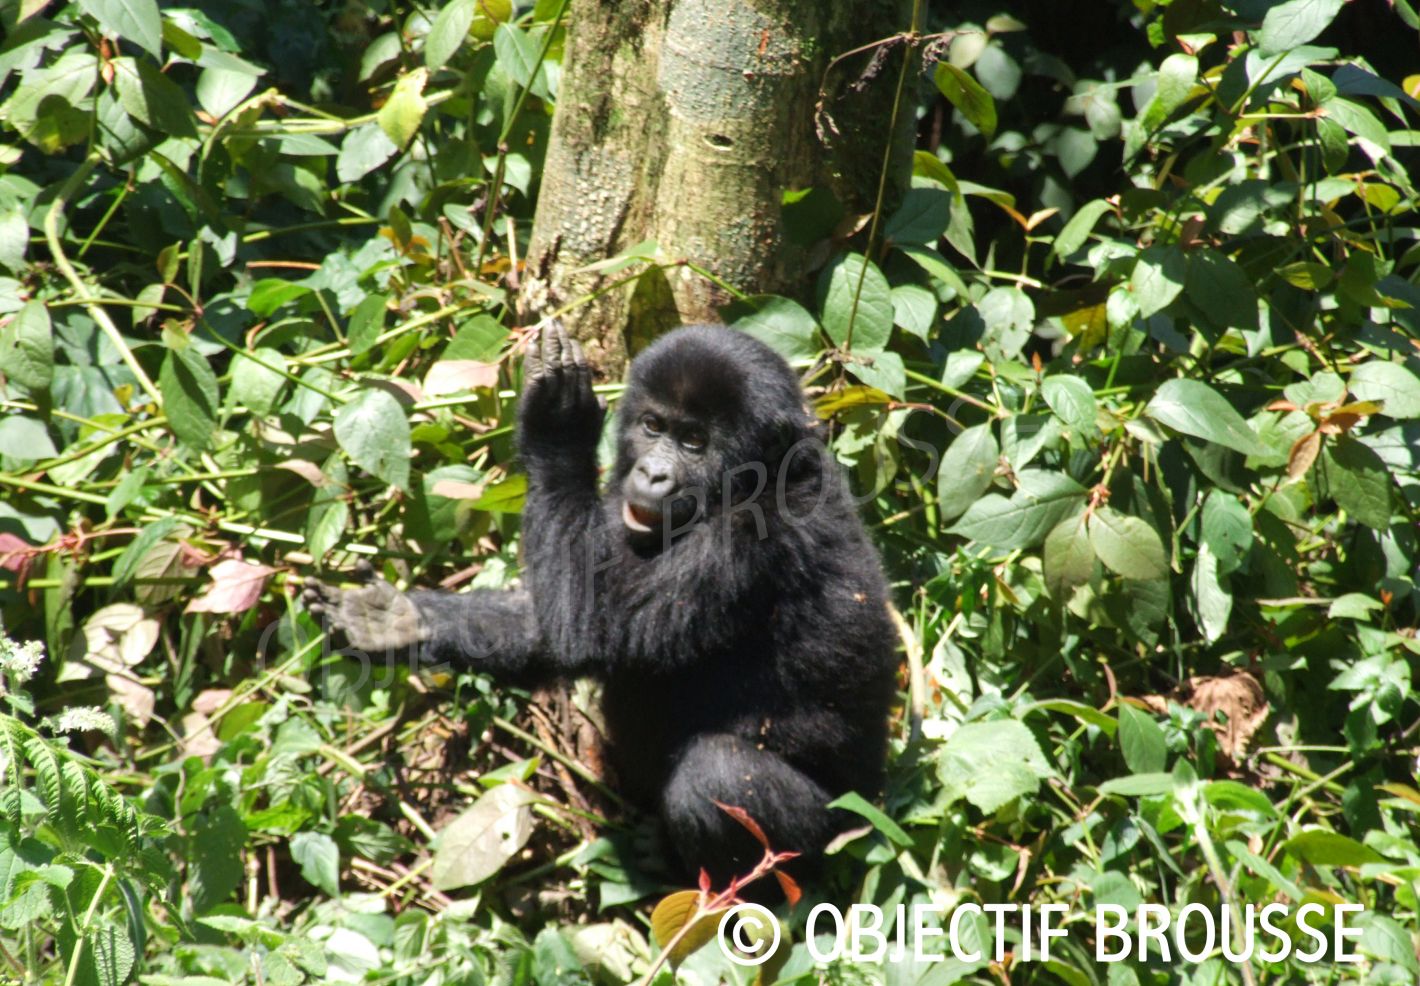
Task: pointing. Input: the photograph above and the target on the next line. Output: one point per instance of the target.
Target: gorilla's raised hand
(558, 409)
(375, 617)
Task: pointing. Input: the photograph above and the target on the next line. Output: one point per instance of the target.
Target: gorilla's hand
(558, 405)
(375, 617)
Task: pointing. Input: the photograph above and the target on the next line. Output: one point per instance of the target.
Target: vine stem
(92, 303)
(83, 930)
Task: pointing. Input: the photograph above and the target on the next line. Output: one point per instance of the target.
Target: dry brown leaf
(1239, 696)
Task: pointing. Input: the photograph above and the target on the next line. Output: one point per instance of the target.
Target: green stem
(92, 304)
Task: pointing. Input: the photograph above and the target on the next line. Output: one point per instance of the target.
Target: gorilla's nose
(654, 480)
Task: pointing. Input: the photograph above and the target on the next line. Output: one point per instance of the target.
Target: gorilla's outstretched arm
(487, 630)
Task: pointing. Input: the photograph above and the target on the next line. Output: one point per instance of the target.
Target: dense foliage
(1129, 382)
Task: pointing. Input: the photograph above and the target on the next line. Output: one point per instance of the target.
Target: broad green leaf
(216, 841)
(1294, 23)
(25, 437)
(27, 347)
(1085, 713)
(1158, 278)
(403, 112)
(1212, 603)
(784, 326)
(257, 380)
(319, 858)
(374, 432)
(448, 32)
(517, 55)
(1358, 121)
(1321, 847)
(937, 268)
(1072, 401)
(14, 238)
(1222, 290)
(220, 90)
(883, 371)
(1359, 482)
(1043, 500)
(363, 150)
(1196, 409)
(922, 218)
(190, 397)
(1009, 315)
(1141, 741)
(1069, 558)
(966, 94)
(1177, 75)
(1226, 529)
(915, 309)
(1392, 384)
(1078, 229)
(992, 763)
(1127, 545)
(367, 321)
(126, 567)
(130, 20)
(866, 324)
(488, 833)
(966, 470)
(1139, 785)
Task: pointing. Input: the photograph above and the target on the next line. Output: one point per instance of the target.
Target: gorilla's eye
(652, 424)
(693, 440)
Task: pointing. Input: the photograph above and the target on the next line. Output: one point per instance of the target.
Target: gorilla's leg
(789, 806)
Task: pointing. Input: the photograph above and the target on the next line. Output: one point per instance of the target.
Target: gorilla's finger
(552, 347)
(571, 352)
(532, 356)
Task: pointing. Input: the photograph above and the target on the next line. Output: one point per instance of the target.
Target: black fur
(745, 648)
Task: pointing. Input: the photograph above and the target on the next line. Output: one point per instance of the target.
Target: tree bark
(685, 122)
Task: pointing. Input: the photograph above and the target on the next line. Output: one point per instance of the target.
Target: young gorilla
(723, 590)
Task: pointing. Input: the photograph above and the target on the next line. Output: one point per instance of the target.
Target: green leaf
(481, 840)
(1141, 741)
(1359, 482)
(1069, 558)
(1158, 277)
(1358, 121)
(215, 857)
(25, 437)
(404, 111)
(190, 397)
(921, 219)
(1226, 529)
(1177, 75)
(374, 432)
(1392, 384)
(784, 326)
(27, 347)
(1139, 785)
(868, 324)
(1321, 847)
(1127, 545)
(992, 763)
(915, 309)
(1085, 713)
(448, 32)
(884, 371)
(1078, 229)
(319, 859)
(1212, 603)
(1009, 315)
(129, 20)
(856, 803)
(367, 321)
(256, 382)
(1072, 401)
(966, 94)
(1196, 409)
(127, 564)
(1294, 23)
(1221, 289)
(1043, 500)
(517, 55)
(966, 470)
(363, 150)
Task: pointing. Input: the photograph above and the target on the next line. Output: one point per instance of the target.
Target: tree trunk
(685, 122)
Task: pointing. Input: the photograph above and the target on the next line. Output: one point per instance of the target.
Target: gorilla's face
(674, 459)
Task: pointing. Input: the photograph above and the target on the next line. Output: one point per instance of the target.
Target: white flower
(21, 660)
(82, 718)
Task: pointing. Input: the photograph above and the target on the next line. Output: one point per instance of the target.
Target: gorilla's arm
(487, 630)
(564, 540)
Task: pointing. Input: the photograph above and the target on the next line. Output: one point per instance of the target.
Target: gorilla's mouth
(639, 520)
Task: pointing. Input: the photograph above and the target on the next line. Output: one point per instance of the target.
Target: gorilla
(722, 589)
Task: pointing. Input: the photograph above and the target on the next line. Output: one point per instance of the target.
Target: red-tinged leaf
(751, 826)
(1303, 455)
(236, 586)
(705, 885)
(306, 469)
(792, 893)
(14, 551)
(1282, 405)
